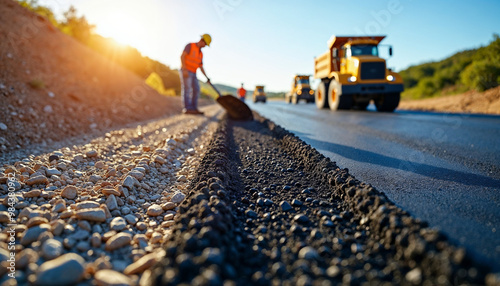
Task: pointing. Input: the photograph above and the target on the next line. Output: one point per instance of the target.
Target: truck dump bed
(326, 63)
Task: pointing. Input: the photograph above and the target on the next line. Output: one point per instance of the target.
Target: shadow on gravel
(408, 166)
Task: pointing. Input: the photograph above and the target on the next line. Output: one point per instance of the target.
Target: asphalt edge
(389, 223)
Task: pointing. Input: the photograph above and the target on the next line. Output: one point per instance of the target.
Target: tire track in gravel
(268, 209)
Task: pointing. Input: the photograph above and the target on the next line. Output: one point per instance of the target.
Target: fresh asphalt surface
(442, 168)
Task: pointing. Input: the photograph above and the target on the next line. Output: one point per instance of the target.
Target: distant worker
(192, 59)
(242, 92)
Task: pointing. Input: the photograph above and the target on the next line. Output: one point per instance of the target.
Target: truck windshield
(303, 81)
(364, 50)
(260, 89)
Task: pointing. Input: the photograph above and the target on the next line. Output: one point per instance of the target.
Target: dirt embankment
(52, 87)
(487, 102)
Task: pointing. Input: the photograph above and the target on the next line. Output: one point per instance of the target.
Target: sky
(266, 42)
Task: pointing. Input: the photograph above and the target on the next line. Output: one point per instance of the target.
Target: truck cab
(352, 74)
(301, 90)
(259, 94)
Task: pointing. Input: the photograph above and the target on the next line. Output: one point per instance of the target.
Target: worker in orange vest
(242, 92)
(192, 59)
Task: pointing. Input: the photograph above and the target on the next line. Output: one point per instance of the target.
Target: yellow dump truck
(352, 74)
(259, 94)
(301, 90)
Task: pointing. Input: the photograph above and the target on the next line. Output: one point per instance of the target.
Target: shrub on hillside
(481, 75)
(36, 83)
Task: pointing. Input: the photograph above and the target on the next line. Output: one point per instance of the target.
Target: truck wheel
(336, 99)
(320, 96)
(387, 102)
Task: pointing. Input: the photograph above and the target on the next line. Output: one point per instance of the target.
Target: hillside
(466, 82)
(129, 57)
(52, 87)
(477, 69)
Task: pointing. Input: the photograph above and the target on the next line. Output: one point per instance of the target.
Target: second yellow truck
(352, 74)
(301, 90)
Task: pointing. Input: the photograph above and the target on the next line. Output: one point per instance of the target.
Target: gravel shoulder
(97, 212)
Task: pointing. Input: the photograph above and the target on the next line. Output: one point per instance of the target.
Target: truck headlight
(390, 78)
(311, 92)
(299, 92)
(352, 79)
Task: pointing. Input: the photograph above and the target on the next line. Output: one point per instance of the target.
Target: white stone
(97, 215)
(178, 197)
(414, 276)
(159, 159)
(171, 142)
(131, 219)
(3, 127)
(110, 278)
(48, 109)
(111, 203)
(51, 172)
(155, 210)
(87, 205)
(136, 174)
(118, 241)
(130, 182)
(118, 224)
(308, 253)
(91, 153)
(67, 269)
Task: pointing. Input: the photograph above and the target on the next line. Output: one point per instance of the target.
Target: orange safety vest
(242, 92)
(194, 58)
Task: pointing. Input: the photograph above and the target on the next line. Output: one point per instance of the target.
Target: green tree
(75, 26)
(40, 10)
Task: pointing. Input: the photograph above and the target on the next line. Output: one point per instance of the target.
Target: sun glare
(123, 28)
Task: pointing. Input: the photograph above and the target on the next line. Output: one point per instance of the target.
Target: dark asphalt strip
(267, 209)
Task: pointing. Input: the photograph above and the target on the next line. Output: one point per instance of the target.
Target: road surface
(442, 168)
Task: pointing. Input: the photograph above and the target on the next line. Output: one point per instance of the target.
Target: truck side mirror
(390, 51)
(334, 53)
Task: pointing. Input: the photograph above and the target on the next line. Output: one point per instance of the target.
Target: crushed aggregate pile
(267, 209)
